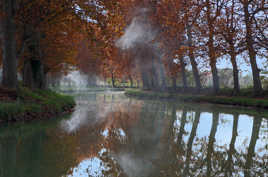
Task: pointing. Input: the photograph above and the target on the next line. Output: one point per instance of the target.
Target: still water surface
(112, 135)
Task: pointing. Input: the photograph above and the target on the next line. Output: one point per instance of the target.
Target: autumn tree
(179, 20)
(38, 35)
(250, 11)
(212, 11)
(169, 18)
(190, 21)
(37, 20)
(233, 35)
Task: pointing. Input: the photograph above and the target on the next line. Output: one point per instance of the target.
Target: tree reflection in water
(110, 135)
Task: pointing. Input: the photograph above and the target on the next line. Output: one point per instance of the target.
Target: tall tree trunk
(154, 78)
(162, 74)
(44, 82)
(145, 79)
(235, 71)
(193, 62)
(174, 83)
(27, 74)
(131, 81)
(211, 48)
(34, 75)
(252, 53)
(9, 45)
(113, 80)
(33, 71)
(183, 74)
(91, 80)
(212, 60)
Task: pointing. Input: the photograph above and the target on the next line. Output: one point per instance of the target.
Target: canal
(112, 135)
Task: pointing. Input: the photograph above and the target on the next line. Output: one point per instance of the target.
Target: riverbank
(92, 89)
(199, 98)
(26, 105)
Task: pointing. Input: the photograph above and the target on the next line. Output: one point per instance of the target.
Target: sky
(243, 67)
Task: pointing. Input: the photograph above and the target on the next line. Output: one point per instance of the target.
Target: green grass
(36, 103)
(227, 100)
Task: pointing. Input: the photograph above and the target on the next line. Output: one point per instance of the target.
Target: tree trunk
(27, 74)
(38, 74)
(183, 74)
(215, 77)
(145, 79)
(131, 81)
(211, 48)
(34, 71)
(113, 80)
(193, 62)
(9, 45)
(34, 75)
(235, 72)
(155, 76)
(212, 60)
(174, 84)
(252, 53)
(162, 75)
(91, 80)
(138, 84)
(44, 82)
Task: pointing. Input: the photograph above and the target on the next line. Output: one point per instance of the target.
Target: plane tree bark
(9, 45)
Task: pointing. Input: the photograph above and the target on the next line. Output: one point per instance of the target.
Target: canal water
(111, 135)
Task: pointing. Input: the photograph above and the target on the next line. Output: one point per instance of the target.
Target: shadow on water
(111, 135)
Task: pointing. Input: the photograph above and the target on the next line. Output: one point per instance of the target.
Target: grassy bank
(226, 100)
(28, 105)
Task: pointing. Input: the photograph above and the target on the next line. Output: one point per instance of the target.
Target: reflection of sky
(224, 130)
(134, 165)
(90, 167)
(204, 126)
(105, 133)
(120, 133)
(188, 126)
(93, 167)
(244, 130)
